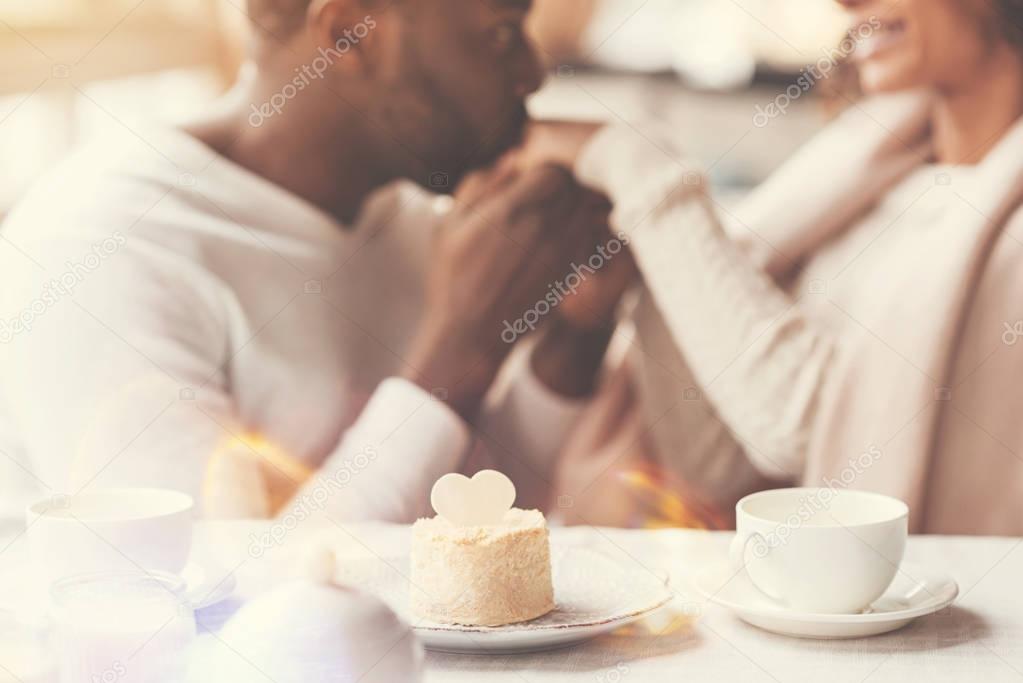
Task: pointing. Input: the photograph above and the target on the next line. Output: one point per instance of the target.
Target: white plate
(593, 594)
(915, 592)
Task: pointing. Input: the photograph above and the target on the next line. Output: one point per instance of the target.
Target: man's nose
(532, 75)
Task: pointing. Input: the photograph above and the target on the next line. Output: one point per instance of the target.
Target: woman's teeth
(878, 39)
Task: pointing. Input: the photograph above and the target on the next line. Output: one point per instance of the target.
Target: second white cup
(128, 529)
(820, 550)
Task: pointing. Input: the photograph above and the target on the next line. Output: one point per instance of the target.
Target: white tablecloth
(979, 639)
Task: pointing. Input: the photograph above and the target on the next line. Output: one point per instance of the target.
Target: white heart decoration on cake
(480, 501)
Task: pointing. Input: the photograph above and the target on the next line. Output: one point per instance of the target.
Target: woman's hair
(1010, 19)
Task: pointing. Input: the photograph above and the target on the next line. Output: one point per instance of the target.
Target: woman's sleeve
(758, 358)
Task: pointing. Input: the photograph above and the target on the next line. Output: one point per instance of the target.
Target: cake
(482, 575)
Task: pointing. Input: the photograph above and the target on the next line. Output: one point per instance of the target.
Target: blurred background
(70, 69)
(74, 69)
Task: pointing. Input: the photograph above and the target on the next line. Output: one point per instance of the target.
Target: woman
(848, 324)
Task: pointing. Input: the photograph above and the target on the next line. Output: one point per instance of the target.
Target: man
(243, 286)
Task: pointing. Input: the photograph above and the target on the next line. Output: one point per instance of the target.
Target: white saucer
(915, 592)
(207, 585)
(593, 594)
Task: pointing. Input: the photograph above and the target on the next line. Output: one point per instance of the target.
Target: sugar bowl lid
(312, 629)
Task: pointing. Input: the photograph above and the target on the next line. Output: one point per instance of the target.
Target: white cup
(127, 529)
(820, 550)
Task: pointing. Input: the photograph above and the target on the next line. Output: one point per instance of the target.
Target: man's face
(466, 68)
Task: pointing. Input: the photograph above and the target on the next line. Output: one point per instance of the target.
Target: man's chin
(447, 182)
(487, 159)
(479, 157)
(488, 154)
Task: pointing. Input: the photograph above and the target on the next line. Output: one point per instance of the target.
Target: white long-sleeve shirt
(753, 352)
(160, 305)
(760, 351)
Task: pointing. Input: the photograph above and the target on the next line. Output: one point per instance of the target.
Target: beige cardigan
(927, 383)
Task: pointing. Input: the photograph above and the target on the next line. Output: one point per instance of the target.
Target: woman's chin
(877, 80)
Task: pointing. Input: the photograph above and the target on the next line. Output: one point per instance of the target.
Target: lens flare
(663, 503)
(250, 476)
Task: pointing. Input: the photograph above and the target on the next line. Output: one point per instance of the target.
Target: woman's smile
(879, 36)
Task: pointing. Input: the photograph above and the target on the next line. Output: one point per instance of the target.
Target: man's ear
(353, 35)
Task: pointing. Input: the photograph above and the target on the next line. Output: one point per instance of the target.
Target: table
(980, 638)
